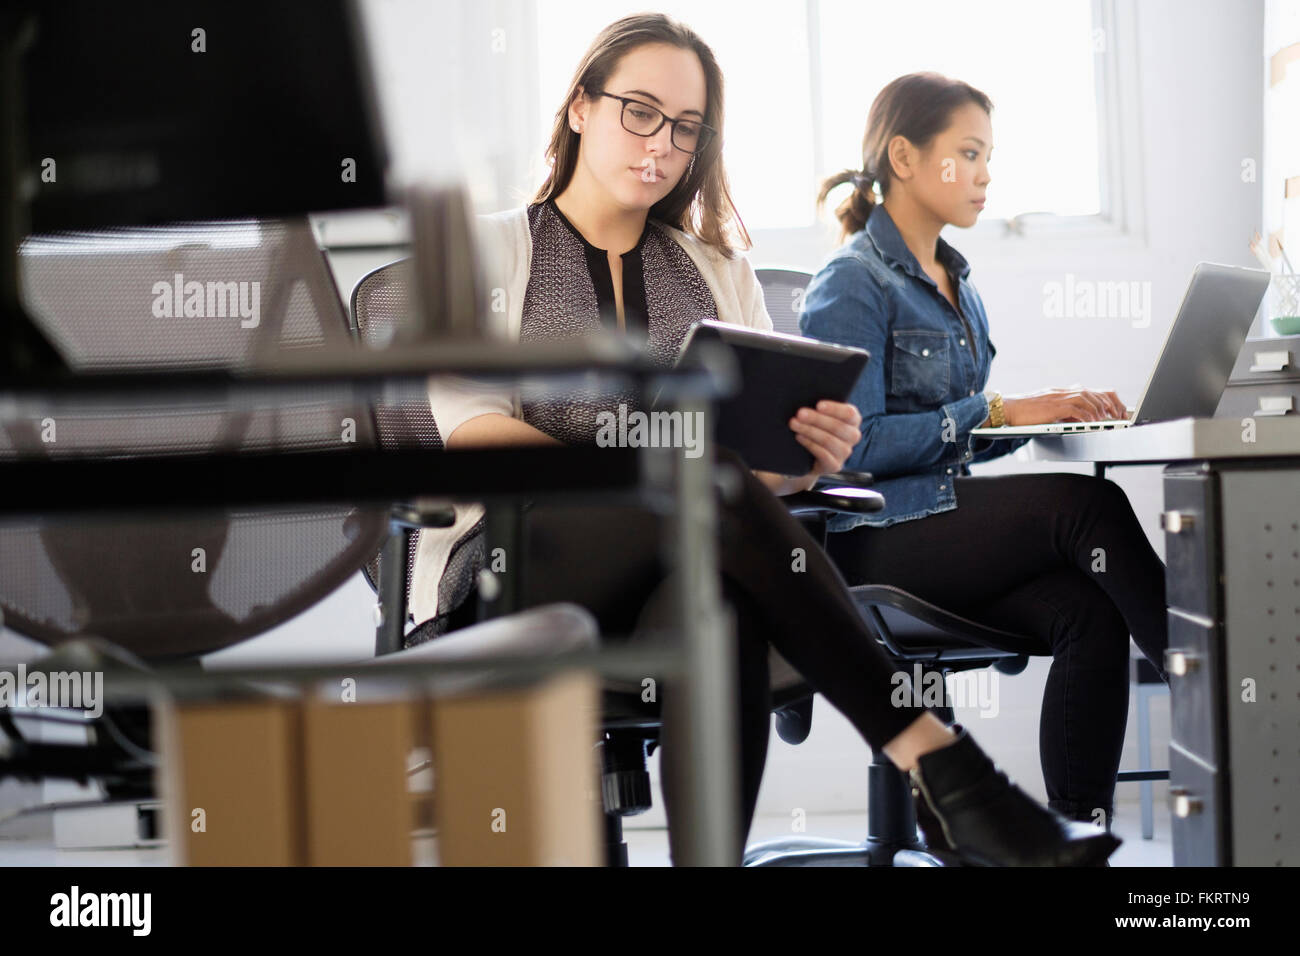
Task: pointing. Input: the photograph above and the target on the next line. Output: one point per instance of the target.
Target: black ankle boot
(967, 806)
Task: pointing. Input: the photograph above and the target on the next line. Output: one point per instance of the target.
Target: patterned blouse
(570, 294)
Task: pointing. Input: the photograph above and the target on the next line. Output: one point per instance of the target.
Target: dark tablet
(779, 374)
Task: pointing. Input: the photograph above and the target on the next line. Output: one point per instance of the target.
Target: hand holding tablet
(780, 375)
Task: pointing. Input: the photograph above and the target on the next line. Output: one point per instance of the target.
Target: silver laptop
(1199, 351)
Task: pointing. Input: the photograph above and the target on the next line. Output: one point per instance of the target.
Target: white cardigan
(506, 252)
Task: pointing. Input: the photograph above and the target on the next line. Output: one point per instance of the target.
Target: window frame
(1118, 144)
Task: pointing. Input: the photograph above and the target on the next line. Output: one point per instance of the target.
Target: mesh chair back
(783, 291)
(381, 304)
(210, 295)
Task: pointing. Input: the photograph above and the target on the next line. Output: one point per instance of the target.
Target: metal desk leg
(707, 763)
(1144, 758)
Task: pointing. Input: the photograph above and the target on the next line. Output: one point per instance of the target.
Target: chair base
(892, 835)
(615, 845)
(810, 851)
(802, 851)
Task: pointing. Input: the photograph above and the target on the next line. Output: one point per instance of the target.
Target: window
(1035, 61)
(801, 77)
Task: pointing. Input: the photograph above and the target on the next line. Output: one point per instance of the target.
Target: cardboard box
(231, 780)
(262, 782)
(359, 809)
(515, 781)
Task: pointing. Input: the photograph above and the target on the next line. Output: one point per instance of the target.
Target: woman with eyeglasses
(634, 230)
(1061, 557)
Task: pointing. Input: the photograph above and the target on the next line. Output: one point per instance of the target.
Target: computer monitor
(149, 112)
(158, 111)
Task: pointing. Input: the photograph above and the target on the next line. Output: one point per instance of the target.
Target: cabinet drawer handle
(1276, 405)
(1176, 522)
(1271, 362)
(1181, 663)
(1183, 803)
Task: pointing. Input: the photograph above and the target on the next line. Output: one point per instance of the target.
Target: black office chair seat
(913, 629)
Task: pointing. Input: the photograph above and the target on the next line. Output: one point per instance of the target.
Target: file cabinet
(1265, 381)
(1232, 534)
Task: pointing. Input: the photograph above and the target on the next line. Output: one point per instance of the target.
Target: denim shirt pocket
(921, 366)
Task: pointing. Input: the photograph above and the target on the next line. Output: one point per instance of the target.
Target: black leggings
(783, 590)
(1060, 558)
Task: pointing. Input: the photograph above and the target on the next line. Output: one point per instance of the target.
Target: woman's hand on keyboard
(1072, 404)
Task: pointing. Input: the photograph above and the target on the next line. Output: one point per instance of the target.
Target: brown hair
(700, 204)
(917, 106)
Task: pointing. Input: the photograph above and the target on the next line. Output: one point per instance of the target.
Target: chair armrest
(850, 479)
(413, 515)
(835, 500)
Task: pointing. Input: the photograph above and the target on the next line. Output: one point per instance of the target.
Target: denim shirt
(923, 389)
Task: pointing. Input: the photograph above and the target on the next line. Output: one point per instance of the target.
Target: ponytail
(854, 211)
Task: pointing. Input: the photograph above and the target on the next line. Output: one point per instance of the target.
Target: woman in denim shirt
(1059, 557)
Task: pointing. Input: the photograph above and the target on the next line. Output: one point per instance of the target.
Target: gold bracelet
(997, 415)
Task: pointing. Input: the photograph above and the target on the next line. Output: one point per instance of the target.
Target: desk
(158, 482)
(1231, 519)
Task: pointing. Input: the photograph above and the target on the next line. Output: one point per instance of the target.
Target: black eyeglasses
(642, 119)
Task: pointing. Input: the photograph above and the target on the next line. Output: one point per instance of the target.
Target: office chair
(141, 590)
(167, 588)
(380, 305)
(783, 291)
(912, 631)
(95, 296)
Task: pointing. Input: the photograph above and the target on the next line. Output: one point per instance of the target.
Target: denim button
(961, 342)
(943, 487)
(925, 352)
(972, 392)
